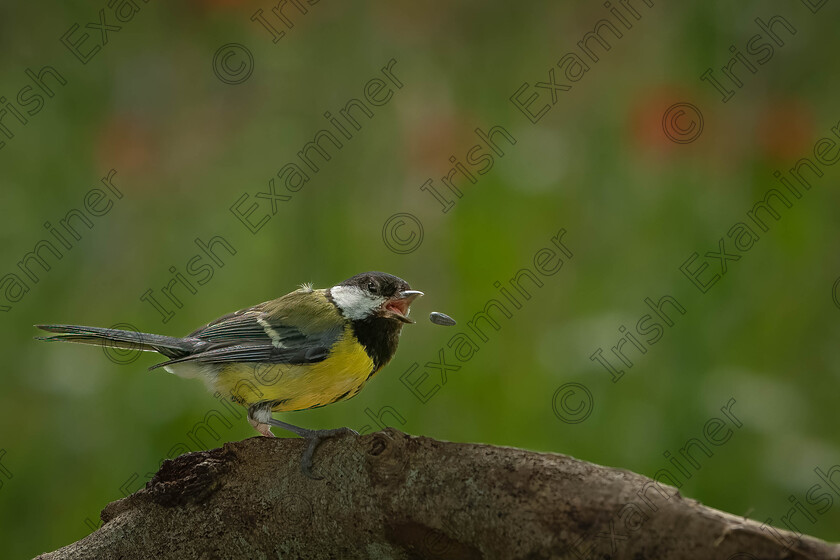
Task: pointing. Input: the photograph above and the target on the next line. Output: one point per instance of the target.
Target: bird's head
(374, 294)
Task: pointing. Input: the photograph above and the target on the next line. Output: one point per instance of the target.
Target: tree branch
(390, 495)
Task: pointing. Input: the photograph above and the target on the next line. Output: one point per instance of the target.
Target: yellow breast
(300, 386)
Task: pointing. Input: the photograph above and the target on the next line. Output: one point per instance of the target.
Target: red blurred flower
(784, 129)
(125, 143)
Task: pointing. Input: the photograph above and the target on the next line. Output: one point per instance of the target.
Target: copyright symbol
(124, 352)
(682, 123)
(834, 292)
(296, 509)
(572, 403)
(436, 543)
(402, 233)
(230, 71)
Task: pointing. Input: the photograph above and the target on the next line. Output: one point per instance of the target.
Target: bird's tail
(169, 346)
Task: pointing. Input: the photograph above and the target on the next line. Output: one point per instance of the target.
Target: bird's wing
(298, 328)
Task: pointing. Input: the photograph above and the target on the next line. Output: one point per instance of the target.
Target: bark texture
(390, 495)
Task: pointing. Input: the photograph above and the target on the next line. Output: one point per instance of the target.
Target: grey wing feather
(240, 324)
(251, 335)
(256, 353)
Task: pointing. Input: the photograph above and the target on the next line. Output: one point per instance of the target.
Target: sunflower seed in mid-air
(441, 319)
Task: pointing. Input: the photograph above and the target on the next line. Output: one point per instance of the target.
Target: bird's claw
(315, 437)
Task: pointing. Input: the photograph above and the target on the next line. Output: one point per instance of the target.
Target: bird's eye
(372, 288)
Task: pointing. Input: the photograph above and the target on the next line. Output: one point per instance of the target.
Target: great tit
(307, 349)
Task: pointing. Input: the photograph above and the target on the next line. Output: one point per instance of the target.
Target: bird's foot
(315, 437)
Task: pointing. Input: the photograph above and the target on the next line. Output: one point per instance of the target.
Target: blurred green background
(79, 430)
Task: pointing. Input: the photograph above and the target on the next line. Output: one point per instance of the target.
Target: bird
(306, 349)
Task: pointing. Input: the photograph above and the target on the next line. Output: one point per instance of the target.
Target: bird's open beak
(397, 307)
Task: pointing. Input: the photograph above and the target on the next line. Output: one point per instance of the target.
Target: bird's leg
(314, 437)
(259, 415)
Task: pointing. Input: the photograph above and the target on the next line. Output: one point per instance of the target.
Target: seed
(441, 319)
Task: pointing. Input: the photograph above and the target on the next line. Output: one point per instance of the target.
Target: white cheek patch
(353, 302)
